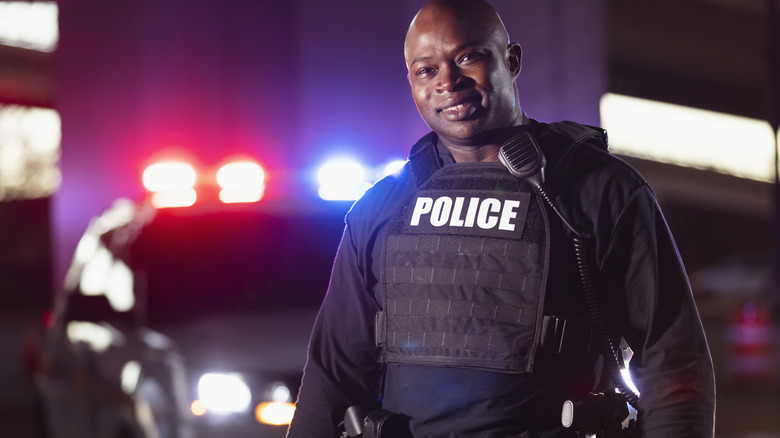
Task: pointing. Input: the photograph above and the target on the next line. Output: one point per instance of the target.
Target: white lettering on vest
(508, 214)
(471, 214)
(441, 211)
(489, 205)
(421, 207)
(456, 220)
(485, 213)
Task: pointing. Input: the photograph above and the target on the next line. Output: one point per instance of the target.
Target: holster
(379, 423)
(382, 423)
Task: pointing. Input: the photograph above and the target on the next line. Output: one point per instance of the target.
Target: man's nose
(449, 78)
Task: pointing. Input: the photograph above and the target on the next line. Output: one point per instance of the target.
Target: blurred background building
(92, 91)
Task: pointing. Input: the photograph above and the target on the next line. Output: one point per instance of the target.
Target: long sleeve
(653, 308)
(341, 369)
(646, 296)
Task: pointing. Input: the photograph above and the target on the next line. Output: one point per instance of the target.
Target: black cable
(583, 255)
(523, 157)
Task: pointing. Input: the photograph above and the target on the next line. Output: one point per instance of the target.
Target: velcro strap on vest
(432, 336)
(569, 337)
(453, 308)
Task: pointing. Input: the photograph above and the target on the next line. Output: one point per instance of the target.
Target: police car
(187, 322)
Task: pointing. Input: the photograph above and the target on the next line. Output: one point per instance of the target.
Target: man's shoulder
(585, 178)
(575, 152)
(571, 134)
(560, 141)
(381, 200)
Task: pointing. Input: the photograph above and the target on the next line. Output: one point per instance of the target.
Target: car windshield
(187, 266)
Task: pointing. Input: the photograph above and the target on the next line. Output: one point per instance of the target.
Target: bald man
(456, 304)
(462, 71)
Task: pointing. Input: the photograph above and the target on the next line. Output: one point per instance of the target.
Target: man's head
(462, 71)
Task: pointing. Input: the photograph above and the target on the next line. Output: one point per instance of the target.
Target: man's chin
(461, 131)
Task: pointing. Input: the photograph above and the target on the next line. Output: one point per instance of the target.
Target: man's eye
(470, 58)
(425, 71)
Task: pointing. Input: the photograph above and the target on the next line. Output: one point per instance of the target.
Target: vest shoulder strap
(577, 133)
(423, 159)
(560, 141)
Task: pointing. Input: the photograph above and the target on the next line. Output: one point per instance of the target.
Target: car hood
(264, 341)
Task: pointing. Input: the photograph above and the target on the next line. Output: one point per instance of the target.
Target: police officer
(455, 299)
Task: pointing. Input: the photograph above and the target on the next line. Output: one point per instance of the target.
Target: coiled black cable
(583, 255)
(523, 157)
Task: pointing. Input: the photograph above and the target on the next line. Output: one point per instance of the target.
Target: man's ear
(514, 58)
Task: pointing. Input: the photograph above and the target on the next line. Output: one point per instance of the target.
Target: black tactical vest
(464, 270)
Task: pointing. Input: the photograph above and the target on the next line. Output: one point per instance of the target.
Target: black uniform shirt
(642, 283)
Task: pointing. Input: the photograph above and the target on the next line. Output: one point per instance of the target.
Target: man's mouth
(457, 107)
(459, 111)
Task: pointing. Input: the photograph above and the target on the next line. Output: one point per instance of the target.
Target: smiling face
(462, 72)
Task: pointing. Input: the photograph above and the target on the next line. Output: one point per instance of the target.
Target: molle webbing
(464, 272)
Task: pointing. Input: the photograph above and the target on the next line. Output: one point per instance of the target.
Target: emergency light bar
(345, 179)
(241, 181)
(177, 183)
(173, 183)
(342, 179)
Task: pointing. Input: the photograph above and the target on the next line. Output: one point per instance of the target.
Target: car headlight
(280, 410)
(224, 393)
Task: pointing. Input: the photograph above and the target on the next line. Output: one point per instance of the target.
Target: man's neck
(465, 154)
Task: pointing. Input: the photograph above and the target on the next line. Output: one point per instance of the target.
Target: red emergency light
(241, 181)
(175, 183)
